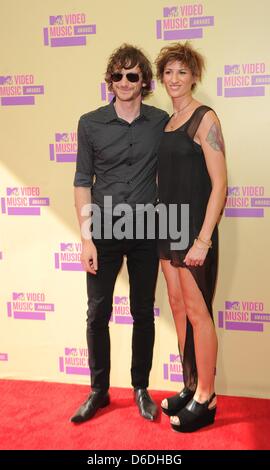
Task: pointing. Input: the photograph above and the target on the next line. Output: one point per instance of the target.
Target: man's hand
(89, 257)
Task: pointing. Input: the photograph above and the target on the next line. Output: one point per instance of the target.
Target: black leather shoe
(147, 408)
(89, 408)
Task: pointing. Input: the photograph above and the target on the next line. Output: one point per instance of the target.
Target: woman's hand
(196, 254)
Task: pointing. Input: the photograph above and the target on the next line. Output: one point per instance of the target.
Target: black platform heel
(195, 416)
(178, 401)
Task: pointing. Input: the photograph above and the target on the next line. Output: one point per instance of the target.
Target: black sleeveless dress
(183, 179)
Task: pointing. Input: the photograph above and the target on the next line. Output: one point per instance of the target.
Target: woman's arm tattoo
(215, 138)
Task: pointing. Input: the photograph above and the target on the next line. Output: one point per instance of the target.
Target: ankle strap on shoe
(211, 398)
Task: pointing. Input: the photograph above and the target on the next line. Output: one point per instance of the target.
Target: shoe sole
(148, 419)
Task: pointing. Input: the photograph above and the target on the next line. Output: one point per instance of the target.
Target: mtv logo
(18, 296)
(234, 191)
(232, 69)
(71, 351)
(13, 191)
(6, 80)
(56, 19)
(120, 300)
(61, 137)
(232, 305)
(153, 84)
(170, 11)
(66, 247)
(175, 358)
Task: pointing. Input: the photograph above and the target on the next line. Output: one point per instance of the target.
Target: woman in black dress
(191, 171)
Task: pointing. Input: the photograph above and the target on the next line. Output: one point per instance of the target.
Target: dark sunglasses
(132, 77)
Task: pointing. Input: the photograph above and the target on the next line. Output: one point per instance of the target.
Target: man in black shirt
(117, 159)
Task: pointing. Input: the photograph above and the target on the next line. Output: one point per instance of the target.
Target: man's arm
(82, 194)
(82, 197)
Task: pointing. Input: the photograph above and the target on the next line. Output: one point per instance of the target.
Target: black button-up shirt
(119, 159)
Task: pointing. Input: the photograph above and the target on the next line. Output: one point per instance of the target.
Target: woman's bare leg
(177, 306)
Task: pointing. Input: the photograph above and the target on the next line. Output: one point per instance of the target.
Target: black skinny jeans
(142, 264)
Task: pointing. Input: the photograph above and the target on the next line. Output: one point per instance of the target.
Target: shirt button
(128, 182)
(130, 145)
(129, 163)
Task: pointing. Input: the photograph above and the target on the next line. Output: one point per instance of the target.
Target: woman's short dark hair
(127, 57)
(183, 53)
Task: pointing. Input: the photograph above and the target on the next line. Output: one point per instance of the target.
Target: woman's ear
(195, 79)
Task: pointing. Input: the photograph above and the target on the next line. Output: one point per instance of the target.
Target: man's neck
(128, 110)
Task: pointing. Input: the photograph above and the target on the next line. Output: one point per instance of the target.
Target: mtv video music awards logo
(173, 370)
(74, 361)
(67, 30)
(19, 90)
(3, 356)
(243, 316)
(68, 258)
(183, 22)
(64, 148)
(29, 306)
(121, 311)
(246, 201)
(23, 201)
(108, 96)
(243, 80)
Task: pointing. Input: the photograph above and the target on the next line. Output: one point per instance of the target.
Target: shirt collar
(112, 116)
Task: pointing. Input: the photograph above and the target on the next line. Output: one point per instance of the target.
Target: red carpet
(35, 415)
